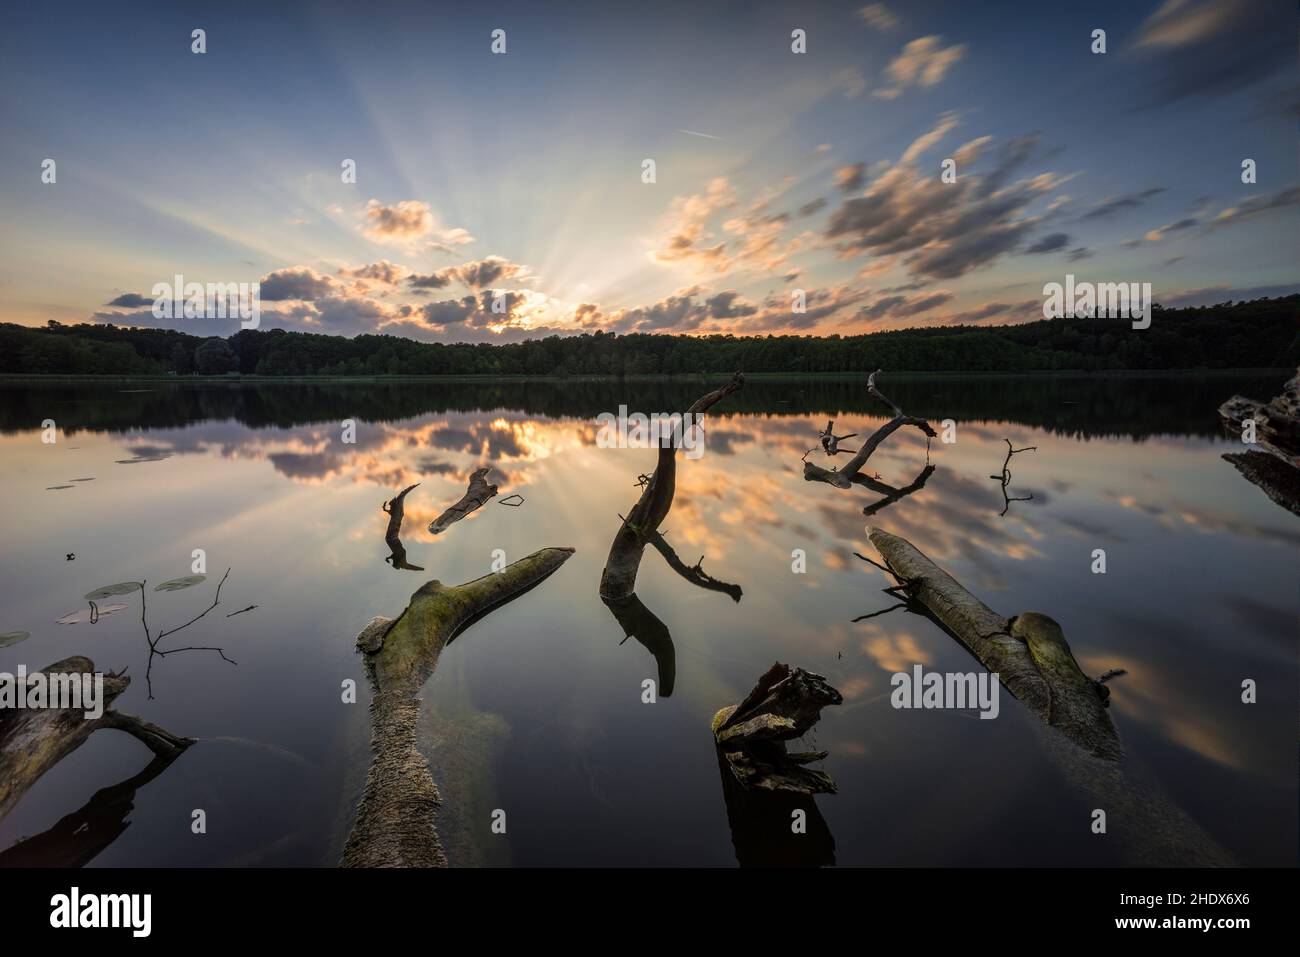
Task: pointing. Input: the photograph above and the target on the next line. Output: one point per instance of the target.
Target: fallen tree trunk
(618, 580)
(843, 478)
(1028, 652)
(33, 740)
(479, 491)
(395, 823)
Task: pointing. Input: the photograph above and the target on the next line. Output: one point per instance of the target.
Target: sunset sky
(522, 172)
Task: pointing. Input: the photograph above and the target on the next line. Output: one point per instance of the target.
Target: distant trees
(1254, 334)
(214, 357)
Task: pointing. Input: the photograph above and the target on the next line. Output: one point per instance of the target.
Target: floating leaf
(121, 588)
(13, 637)
(176, 584)
(77, 617)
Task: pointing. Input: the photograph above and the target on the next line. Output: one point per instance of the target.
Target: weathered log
(478, 492)
(392, 537)
(751, 735)
(1273, 461)
(396, 823)
(843, 478)
(618, 579)
(1028, 652)
(33, 740)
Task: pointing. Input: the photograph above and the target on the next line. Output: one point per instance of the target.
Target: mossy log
(1028, 652)
(618, 579)
(33, 740)
(396, 823)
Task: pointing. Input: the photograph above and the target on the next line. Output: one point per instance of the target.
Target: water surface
(537, 709)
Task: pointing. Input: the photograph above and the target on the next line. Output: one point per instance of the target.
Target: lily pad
(13, 637)
(108, 591)
(77, 617)
(176, 584)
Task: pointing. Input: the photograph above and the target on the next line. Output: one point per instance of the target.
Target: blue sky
(519, 176)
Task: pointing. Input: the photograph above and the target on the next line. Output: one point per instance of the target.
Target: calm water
(537, 708)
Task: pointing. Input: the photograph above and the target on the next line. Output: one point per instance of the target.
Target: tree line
(1256, 334)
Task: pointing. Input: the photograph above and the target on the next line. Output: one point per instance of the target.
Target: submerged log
(845, 477)
(1027, 652)
(1273, 461)
(479, 492)
(395, 823)
(618, 580)
(33, 740)
(785, 704)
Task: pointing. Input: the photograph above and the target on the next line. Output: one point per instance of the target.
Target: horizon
(519, 177)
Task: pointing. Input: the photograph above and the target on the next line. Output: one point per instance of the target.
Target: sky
(518, 179)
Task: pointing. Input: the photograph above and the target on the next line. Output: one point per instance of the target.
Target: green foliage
(1258, 334)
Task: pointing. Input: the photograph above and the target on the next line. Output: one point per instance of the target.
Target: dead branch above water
(478, 493)
(843, 478)
(392, 537)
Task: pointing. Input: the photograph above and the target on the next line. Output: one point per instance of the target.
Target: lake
(537, 709)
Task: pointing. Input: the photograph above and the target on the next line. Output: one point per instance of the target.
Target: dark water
(537, 709)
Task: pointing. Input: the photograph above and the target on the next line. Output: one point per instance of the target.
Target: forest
(1231, 335)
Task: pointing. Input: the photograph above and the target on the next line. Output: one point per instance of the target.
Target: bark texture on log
(618, 580)
(785, 704)
(396, 823)
(479, 492)
(33, 740)
(1028, 653)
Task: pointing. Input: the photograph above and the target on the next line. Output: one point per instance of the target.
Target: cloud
(900, 307)
(1114, 204)
(924, 62)
(1052, 242)
(410, 222)
(477, 274)
(1079, 252)
(943, 231)
(850, 82)
(1160, 232)
(850, 178)
(814, 206)
(131, 300)
(1210, 48)
(1255, 206)
(381, 273)
(688, 237)
(878, 16)
(300, 282)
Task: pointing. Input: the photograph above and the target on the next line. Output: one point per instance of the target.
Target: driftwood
(695, 574)
(395, 823)
(33, 740)
(785, 704)
(760, 825)
(618, 580)
(392, 537)
(843, 478)
(479, 491)
(1027, 652)
(831, 441)
(1273, 462)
